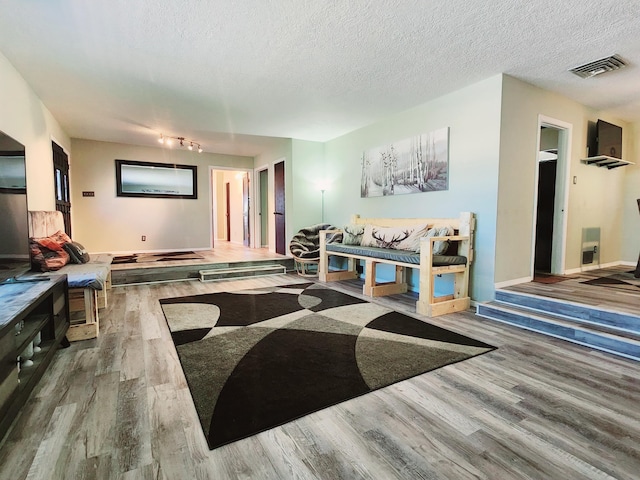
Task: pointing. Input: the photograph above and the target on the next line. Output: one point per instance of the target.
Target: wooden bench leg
(432, 306)
(373, 289)
(326, 276)
(85, 324)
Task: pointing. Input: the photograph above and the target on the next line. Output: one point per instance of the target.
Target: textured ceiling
(222, 72)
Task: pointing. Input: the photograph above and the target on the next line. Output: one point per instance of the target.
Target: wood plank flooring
(118, 407)
(573, 290)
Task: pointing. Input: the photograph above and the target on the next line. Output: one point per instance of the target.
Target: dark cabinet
(34, 318)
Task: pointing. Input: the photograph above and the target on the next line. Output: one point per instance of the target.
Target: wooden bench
(89, 283)
(455, 261)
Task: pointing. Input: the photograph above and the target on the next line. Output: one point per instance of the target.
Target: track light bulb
(168, 141)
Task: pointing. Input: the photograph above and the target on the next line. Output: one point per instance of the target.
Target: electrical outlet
(144, 238)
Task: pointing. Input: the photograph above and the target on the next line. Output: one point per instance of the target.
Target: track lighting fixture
(168, 140)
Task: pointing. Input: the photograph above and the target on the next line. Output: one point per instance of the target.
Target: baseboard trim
(515, 281)
(588, 268)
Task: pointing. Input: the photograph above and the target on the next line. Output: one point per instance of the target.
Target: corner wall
(108, 223)
(473, 117)
(282, 152)
(596, 200)
(25, 118)
(631, 218)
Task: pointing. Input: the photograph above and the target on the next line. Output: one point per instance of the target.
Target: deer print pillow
(396, 238)
(440, 246)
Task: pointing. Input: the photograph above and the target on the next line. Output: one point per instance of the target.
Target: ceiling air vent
(603, 65)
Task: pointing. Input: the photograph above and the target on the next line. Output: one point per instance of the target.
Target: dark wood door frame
(61, 184)
(227, 187)
(246, 225)
(279, 206)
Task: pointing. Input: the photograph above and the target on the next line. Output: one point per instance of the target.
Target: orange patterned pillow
(44, 258)
(49, 243)
(60, 237)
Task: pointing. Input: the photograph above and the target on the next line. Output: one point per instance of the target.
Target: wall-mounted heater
(590, 246)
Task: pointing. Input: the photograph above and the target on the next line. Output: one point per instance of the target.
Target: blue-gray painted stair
(607, 330)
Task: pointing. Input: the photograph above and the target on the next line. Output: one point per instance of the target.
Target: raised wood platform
(603, 316)
(223, 257)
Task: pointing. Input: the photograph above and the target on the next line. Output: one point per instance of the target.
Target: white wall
(473, 116)
(631, 218)
(107, 223)
(309, 168)
(596, 200)
(25, 118)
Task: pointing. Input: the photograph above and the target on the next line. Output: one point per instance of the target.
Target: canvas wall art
(157, 180)
(413, 165)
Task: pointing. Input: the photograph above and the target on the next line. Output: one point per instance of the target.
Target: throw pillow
(412, 242)
(352, 234)
(395, 238)
(60, 237)
(49, 243)
(77, 252)
(44, 258)
(440, 246)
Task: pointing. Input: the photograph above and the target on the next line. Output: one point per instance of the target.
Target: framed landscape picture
(413, 165)
(156, 180)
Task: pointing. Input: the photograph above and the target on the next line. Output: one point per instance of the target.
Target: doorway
(230, 200)
(61, 182)
(547, 166)
(550, 220)
(263, 208)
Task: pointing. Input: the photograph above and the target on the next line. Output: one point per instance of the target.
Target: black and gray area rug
(256, 359)
(619, 281)
(156, 257)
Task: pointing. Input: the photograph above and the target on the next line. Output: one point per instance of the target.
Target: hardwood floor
(625, 299)
(118, 407)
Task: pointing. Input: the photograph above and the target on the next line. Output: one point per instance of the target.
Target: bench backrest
(462, 225)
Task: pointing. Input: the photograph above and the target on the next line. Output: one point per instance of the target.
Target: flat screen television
(14, 226)
(608, 139)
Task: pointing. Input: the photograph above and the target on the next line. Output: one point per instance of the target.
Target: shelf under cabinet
(606, 161)
(32, 327)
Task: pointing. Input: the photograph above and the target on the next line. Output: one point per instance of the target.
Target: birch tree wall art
(413, 165)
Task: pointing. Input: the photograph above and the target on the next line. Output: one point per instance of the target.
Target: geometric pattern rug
(156, 257)
(256, 359)
(620, 281)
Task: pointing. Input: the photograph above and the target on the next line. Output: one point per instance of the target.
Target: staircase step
(229, 273)
(620, 321)
(600, 337)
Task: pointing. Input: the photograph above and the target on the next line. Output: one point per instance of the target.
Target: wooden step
(230, 273)
(575, 330)
(622, 321)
